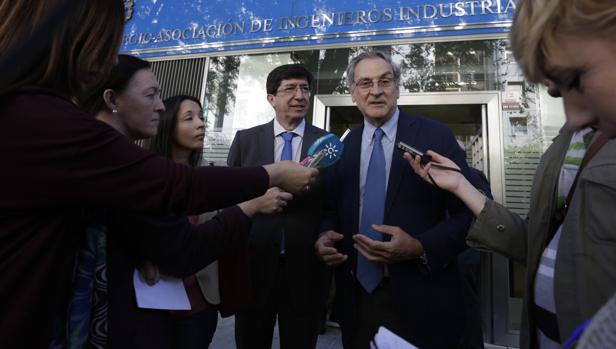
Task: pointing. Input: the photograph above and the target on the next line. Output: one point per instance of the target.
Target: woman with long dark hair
(181, 131)
(61, 162)
(180, 137)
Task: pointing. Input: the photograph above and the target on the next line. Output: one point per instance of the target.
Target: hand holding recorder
(424, 159)
(434, 168)
(447, 174)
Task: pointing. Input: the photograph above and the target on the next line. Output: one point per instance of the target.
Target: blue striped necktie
(370, 273)
(287, 149)
(287, 154)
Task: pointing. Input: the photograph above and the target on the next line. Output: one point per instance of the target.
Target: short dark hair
(287, 71)
(117, 80)
(162, 143)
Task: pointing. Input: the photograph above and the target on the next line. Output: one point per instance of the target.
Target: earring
(114, 110)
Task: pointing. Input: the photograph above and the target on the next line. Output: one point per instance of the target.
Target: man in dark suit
(394, 237)
(287, 277)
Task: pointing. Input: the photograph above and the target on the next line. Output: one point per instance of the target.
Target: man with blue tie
(287, 277)
(393, 237)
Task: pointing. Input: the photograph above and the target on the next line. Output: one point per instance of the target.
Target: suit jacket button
(500, 228)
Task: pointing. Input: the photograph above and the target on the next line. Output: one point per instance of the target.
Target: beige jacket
(208, 276)
(585, 270)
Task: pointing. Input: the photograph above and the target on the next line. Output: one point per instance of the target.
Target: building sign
(171, 27)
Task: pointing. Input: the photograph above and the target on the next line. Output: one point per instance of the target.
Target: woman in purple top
(129, 102)
(60, 162)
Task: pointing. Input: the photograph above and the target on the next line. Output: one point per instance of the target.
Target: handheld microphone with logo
(324, 152)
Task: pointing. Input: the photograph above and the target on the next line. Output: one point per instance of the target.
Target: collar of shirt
(299, 130)
(389, 129)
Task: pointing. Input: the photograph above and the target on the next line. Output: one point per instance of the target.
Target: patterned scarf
(86, 317)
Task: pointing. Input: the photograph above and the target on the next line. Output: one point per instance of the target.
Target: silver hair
(350, 71)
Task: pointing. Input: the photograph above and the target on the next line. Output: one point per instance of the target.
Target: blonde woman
(568, 241)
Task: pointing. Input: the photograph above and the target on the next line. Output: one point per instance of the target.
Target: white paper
(168, 293)
(385, 339)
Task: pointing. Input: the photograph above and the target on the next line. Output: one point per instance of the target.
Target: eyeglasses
(366, 84)
(292, 89)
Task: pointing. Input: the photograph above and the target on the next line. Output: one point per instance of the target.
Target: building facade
(457, 67)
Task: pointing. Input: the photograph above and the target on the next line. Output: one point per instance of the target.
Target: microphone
(324, 152)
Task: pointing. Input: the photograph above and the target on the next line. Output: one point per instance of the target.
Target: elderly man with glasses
(393, 238)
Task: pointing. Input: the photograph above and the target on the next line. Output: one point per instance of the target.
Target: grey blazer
(208, 276)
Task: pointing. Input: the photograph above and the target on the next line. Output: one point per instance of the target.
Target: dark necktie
(369, 273)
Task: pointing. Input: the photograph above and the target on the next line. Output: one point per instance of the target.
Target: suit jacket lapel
(310, 135)
(266, 143)
(352, 146)
(397, 162)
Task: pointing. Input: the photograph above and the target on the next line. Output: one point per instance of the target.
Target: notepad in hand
(385, 339)
(167, 294)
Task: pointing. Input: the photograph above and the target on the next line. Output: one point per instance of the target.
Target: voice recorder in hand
(413, 151)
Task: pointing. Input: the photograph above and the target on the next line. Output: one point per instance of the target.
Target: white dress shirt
(296, 143)
(367, 139)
